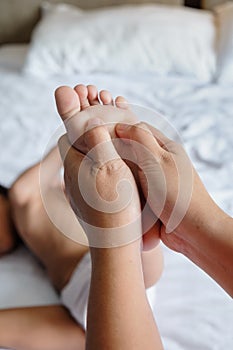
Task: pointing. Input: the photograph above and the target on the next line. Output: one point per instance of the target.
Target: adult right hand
(200, 229)
(170, 184)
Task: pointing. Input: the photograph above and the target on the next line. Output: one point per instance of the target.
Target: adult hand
(101, 189)
(172, 187)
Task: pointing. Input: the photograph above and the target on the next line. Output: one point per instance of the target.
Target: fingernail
(122, 127)
(93, 123)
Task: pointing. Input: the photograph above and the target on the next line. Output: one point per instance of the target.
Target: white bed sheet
(192, 311)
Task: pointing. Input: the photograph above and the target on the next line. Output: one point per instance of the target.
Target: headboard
(209, 4)
(18, 17)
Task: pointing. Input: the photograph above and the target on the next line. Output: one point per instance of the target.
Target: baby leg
(57, 253)
(37, 328)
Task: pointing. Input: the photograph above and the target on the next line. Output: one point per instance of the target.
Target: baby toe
(82, 92)
(106, 97)
(67, 101)
(121, 102)
(93, 95)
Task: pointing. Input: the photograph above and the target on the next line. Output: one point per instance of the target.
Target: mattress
(192, 311)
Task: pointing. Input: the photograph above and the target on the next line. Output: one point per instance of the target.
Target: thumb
(145, 145)
(148, 153)
(99, 143)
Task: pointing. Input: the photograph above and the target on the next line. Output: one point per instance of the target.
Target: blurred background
(171, 57)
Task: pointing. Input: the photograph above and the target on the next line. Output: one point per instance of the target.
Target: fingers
(76, 165)
(141, 135)
(69, 155)
(149, 156)
(137, 132)
(99, 142)
(162, 140)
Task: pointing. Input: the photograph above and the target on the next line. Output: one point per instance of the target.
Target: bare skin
(205, 233)
(77, 104)
(34, 225)
(42, 237)
(36, 328)
(128, 320)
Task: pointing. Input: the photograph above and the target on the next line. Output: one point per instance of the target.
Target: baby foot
(77, 106)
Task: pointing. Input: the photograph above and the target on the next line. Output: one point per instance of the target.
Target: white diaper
(75, 294)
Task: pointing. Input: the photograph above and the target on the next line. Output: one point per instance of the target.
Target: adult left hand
(101, 189)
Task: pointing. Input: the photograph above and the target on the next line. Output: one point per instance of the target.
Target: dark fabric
(3, 191)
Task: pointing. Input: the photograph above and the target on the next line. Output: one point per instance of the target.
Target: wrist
(132, 249)
(113, 237)
(105, 258)
(200, 229)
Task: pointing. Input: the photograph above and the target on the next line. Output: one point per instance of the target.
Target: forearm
(211, 267)
(211, 245)
(119, 316)
(168, 179)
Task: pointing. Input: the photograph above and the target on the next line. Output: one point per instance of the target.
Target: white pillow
(224, 18)
(149, 38)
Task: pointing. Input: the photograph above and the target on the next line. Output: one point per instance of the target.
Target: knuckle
(136, 130)
(170, 146)
(112, 167)
(164, 157)
(143, 125)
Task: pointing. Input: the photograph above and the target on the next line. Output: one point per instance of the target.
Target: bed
(192, 311)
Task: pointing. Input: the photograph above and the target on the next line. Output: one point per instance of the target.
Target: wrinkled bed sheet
(191, 310)
(203, 115)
